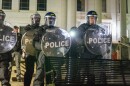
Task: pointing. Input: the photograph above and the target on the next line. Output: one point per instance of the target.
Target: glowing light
(72, 33)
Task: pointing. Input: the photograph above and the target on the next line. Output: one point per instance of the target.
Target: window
(24, 4)
(6, 4)
(118, 6)
(80, 5)
(126, 6)
(41, 5)
(104, 10)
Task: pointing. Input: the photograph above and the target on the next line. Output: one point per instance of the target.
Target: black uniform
(30, 56)
(5, 62)
(81, 33)
(40, 74)
(43, 62)
(87, 57)
(86, 54)
(29, 61)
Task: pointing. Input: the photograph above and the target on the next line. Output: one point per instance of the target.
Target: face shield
(36, 19)
(50, 21)
(2, 17)
(91, 20)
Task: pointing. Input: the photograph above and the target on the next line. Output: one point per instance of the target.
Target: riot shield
(27, 42)
(98, 39)
(56, 42)
(8, 39)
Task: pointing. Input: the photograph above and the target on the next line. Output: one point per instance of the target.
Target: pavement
(13, 79)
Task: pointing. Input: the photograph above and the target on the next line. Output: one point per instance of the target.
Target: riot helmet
(50, 18)
(2, 17)
(35, 18)
(92, 17)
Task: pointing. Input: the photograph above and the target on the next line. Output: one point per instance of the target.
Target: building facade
(115, 13)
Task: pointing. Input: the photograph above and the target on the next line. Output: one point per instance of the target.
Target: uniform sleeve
(27, 27)
(23, 47)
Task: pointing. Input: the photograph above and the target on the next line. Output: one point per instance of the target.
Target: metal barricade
(89, 72)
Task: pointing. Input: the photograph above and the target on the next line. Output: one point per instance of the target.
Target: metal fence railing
(88, 72)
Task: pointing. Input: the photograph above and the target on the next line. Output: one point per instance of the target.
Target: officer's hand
(23, 55)
(10, 66)
(28, 27)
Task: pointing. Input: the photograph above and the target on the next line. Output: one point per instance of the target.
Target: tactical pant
(42, 67)
(17, 57)
(29, 64)
(39, 77)
(87, 71)
(4, 73)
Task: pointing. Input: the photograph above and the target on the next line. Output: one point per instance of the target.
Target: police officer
(50, 19)
(30, 59)
(5, 58)
(17, 51)
(91, 22)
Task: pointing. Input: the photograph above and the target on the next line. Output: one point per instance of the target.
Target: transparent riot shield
(8, 38)
(27, 42)
(56, 42)
(98, 40)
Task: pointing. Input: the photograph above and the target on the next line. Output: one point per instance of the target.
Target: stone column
(114, 16)
(86, 5)
(33, 5)
(59, 7)
(128, 4)
(0, 4)
(15, 5)
(124, 52)
(63, 14)
(96, 5)
(123, 17)
(98, 9)
(71, 13)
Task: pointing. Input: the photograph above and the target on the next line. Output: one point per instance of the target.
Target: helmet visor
(92, 19)
(50, 21)
(36, 20)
